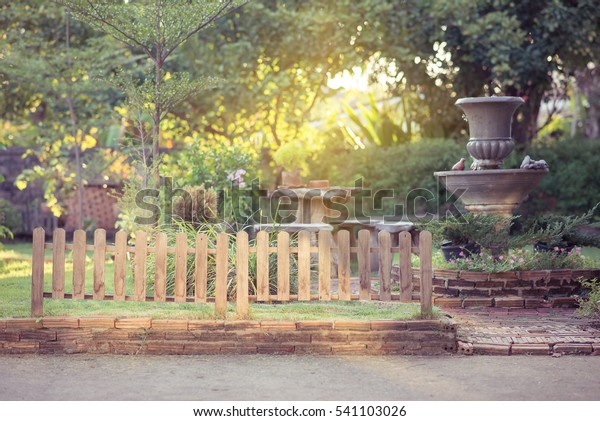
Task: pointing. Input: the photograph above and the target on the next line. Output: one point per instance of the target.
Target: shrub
(589, 306)
(401, 167)
(571, 186)
(10, 217)
(520, 259)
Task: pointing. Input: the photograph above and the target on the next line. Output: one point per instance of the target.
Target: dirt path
(256, 377)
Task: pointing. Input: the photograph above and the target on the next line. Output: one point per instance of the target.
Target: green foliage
(562, 231)
(130, 211)
(378, 125)
(571, 186)
(589, 306)
(213, 165)
(10, 217)
(405, 168)
(443, 50)
(487, 231)
(519, 259)
(157, 29)
(291, 156)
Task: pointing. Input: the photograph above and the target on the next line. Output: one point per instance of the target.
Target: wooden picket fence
(306, 253)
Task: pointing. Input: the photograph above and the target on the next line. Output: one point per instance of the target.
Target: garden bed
(532, 289)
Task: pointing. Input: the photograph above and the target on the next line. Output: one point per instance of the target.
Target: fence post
(364, 263)
(79, 243)
(343, 240)
(283, 266)
(241, 259)
(201, 267)
(160, 268)
(120, 265)
(262, 266)
(139, 268)
(385, 266)
(304, 266)
(426, 272)
(221, 276)
(324, 265)
(58, 263)
(37, 273)
(99, 262)
(180, 267)
(406, 285)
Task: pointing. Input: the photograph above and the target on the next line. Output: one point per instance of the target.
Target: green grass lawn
(15, 298)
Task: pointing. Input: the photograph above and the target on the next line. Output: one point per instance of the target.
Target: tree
(56, 98)
(485, 47)
(275, 58)
(155, 28)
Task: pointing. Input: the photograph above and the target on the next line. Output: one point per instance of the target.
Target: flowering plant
(237, 178)
(519, 259)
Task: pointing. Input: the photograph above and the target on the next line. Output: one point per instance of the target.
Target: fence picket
(324, 265)
(139, 267)
(58, 263)
(99, 263)
(385, 266)
(262, 266)
(120, 265)
(241, 270)
(201, 268)
(304, 266)
(343, 241)
(180, 267)
(406, 286)
(221, 275)
(160, 267)
(426, 272)
(364, 264)
(37, 273)
(283, 266)
(79, 264)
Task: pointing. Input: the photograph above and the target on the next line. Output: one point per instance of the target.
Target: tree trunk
(588, 81)
(525, 120)
(73, 118)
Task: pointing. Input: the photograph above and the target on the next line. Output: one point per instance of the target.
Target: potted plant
(292, 156)
(463, 235)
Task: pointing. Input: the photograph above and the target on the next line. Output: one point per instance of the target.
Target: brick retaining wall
(105, 335)
(531, 289)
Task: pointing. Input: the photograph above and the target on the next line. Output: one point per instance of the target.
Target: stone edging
(107, 335)
(554, 349)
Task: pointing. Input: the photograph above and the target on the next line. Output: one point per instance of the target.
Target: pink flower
(461, 254)
(501, 257)
(555, 248)
(511, 261)
(481, 254)
(521, 260)
(536, 260)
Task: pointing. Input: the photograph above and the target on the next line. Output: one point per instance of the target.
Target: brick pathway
(519, 331)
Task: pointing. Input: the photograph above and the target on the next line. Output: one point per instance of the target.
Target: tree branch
(203, 25)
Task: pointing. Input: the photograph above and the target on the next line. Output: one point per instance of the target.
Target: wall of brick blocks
(104, 335)
(535, 288)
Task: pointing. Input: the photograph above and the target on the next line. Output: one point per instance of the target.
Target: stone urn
(489, 121)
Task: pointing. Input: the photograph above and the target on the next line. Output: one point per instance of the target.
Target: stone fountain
(487, 188)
